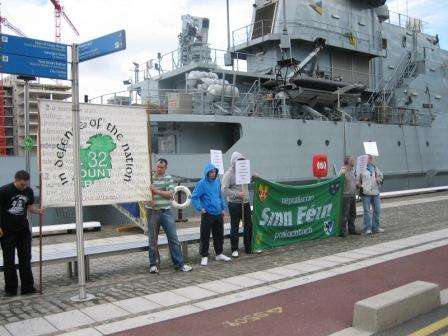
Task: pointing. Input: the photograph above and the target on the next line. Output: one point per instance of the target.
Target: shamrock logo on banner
(334, 188)
(329, 226)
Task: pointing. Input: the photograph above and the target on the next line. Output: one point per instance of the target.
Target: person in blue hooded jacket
(207, 198)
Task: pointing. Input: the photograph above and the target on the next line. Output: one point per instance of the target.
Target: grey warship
(303, 77)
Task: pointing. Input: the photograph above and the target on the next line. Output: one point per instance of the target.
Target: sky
(152, 26)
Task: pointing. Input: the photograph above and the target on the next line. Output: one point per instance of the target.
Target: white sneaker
(235, 254)
(222, 257)
(380, 230)
(186, 268)
(368, 232)
(153, 269)
(204, 261)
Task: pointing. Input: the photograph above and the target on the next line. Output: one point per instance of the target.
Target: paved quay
(126, 277)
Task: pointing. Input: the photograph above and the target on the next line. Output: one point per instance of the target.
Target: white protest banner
(216, 160)
(242, 172)
(361, 164)
(371, 148)
(114, 154)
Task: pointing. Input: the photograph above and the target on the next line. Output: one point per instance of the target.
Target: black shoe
(355, 233)
(343, 235)
(10, 294)
(29, 291)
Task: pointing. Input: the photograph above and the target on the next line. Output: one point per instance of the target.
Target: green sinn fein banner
(285, 214)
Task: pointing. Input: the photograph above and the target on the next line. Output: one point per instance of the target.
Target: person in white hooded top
(236, 196)
(371, 181)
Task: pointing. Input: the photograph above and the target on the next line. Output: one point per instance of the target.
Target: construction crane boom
(70, 23)
(6, 23)
(58, 13)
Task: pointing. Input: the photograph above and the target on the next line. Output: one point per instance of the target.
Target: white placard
(216, 160)
(114, 154)
(371, 148)
(361, 164)
(242, 172)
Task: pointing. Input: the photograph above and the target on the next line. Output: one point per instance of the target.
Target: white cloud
(432, 12)
(151, 26)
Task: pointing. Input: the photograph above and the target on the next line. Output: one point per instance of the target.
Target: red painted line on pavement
(313, 309)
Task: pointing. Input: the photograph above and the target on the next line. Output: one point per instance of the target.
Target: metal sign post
(26, 108)
(88, 50)
(83, 296)
(28, 142)
(29, 57)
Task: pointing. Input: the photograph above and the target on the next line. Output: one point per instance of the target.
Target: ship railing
(392, 115)
(405, 68)
(265, 29)
(405, 21)
(171, 61)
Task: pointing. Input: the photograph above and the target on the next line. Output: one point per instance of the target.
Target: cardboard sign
(371, 148)
(216, 160)
(361, 164)
(242, 172)
(113, 155)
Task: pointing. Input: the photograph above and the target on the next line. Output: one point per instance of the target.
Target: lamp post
(26, 111)
(338, 92)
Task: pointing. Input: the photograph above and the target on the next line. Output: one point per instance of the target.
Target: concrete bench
(66, 253)
(386, 310)
(65, 228)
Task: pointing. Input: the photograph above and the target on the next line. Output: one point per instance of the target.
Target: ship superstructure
(303, 77)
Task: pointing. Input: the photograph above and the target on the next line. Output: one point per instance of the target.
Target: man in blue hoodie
(207, 199)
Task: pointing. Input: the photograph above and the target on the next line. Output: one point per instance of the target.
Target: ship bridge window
(264, 19)
(193, 137)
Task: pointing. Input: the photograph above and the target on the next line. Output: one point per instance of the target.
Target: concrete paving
(120, 278)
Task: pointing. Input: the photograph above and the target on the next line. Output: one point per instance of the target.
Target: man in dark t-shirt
(15, 200)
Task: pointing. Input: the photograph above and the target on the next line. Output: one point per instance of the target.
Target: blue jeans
(375, 202)
(165, 219)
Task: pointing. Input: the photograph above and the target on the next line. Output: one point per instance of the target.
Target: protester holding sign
(370, 181)
(160, 214)
(349, 197)
(16, 199)
(207, 198)
(237, 197)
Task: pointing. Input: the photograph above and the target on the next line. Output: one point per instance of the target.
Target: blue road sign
(102, 46)
(31, 66)
(23, 46)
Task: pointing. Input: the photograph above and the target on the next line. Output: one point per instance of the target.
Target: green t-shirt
(164, 183)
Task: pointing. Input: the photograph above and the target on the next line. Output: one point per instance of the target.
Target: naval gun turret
(193, 40)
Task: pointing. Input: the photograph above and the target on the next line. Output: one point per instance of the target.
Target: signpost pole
(39, 150)
(83, 296)
(26, 107)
